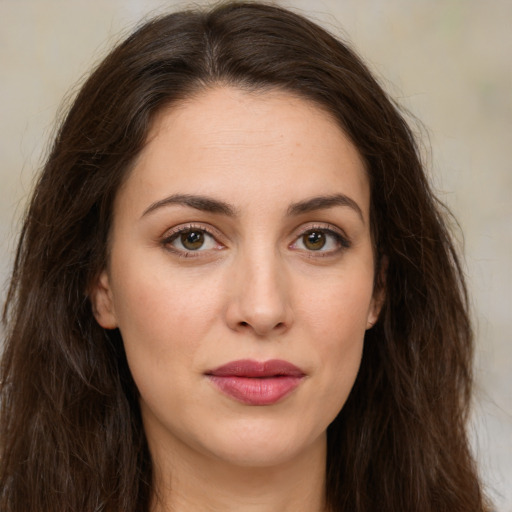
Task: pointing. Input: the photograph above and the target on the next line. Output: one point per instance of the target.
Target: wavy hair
(70, 429)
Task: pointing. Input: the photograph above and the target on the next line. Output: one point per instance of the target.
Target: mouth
(257, 383)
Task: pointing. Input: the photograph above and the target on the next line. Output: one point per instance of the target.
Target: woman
(234, 289)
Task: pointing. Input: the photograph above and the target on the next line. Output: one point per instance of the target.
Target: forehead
(242, 145)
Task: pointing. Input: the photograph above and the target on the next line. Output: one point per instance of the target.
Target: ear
(375, 307)
(379, 294)
(102, 302)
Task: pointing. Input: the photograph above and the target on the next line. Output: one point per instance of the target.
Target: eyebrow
(203, 203)
(324, 203)
(210, 205)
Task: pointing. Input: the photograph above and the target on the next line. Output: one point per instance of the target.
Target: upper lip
(251, 368)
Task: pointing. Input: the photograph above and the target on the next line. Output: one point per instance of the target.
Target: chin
(259, 446)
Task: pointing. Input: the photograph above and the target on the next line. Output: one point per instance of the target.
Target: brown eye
(192, 240)
(314, 240)
(187, 240)
(323, 241)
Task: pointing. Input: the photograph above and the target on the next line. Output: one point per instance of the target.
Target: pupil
(192, 240)
(314, 240)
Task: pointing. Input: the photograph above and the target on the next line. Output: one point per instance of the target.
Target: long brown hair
(71, 432)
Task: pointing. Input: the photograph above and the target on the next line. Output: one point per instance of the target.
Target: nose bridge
(260, 299)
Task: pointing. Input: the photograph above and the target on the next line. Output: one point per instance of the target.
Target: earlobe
(102, 302)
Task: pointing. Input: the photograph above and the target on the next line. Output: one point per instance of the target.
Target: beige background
(448, 61)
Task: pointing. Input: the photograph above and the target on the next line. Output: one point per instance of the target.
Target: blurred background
(449, 62)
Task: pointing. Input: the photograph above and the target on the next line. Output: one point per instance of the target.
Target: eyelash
(179, 230)
(340, 239)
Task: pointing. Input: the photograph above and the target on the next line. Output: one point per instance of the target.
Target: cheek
(339, 309)
(162, 315)
(338, 320)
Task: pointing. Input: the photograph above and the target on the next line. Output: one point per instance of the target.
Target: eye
(314, 240)
(320, 240)
(191, 239)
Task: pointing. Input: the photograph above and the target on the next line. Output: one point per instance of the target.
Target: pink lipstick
(256, 383)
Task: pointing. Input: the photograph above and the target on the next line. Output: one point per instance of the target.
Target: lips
(256, 383)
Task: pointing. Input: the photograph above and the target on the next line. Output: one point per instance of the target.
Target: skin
(255, 289)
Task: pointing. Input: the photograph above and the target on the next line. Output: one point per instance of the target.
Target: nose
(259, 297)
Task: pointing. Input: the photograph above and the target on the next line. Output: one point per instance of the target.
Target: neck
(197, 482)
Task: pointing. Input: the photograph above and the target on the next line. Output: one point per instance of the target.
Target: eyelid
(341, 237)
(171, 234)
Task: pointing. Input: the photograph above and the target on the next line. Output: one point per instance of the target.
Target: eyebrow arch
(203, 203)
(323, 203)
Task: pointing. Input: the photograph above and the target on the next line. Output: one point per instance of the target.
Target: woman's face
(241, 276)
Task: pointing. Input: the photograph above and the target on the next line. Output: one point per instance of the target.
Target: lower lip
(256, 391)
